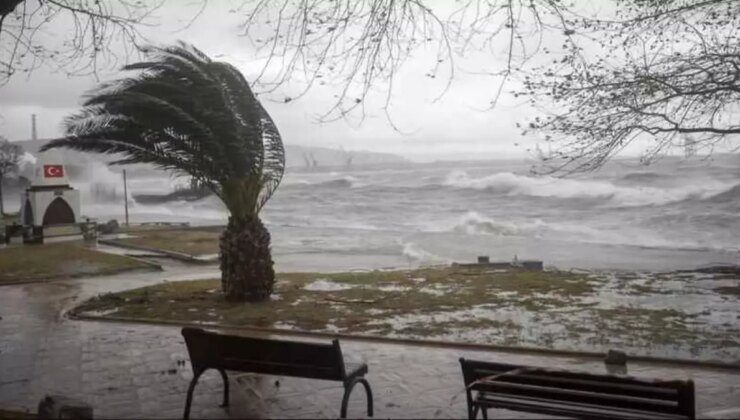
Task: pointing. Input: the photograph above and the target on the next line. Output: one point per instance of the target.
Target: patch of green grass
(191, 241)
(556, 309)
(59, 260)
(370, 296)
(655, 325)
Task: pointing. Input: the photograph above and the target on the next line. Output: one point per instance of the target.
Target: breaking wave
(731, 195)
(546, 186)
(644, 177)
(414, 252)
(473, 223)
(346, 181)
(206, 210)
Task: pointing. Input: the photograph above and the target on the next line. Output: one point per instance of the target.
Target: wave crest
(347, 181)
(547, 186)
(473, 223)
(731, 195)
(414, 252)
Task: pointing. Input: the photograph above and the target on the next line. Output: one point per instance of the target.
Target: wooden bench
(571, 394)
(209, 350)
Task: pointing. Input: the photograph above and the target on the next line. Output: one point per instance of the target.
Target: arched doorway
(58, 212)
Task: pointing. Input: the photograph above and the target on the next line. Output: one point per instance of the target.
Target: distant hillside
(296, 156)
(307, 157)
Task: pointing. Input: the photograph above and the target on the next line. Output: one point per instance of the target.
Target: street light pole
(125, 195)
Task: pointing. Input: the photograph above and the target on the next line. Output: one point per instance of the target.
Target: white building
(51, 207)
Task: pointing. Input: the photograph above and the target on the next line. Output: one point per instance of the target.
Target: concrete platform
(132, 370)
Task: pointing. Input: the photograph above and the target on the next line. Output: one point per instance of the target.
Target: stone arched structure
(58, 212)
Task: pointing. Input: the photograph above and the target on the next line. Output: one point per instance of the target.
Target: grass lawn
(59, 260)
(192, 241)
(554, 309)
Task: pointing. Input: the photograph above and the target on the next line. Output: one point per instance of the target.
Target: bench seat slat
(296, 352)
(571, 395)
(536, 405)
(280, 369)
(596, 385)
(579, 394)
(487, 369)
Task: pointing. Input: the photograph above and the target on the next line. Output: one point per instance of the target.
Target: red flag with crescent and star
(53, 171)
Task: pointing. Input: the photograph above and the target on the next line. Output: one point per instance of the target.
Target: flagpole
(125, 196)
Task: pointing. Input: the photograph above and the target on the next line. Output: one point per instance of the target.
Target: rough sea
(674, 214)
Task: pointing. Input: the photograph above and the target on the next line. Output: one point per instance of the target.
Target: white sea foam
(208, 208)
(414, 252)
(324, 285)
(473, 223)
(26, 159)
(431, 291)
(394, 288)
(332, 179)
(546, 186)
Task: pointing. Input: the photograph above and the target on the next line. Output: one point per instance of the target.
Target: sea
(676, 213)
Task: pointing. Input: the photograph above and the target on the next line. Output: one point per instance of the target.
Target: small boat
(185, 194)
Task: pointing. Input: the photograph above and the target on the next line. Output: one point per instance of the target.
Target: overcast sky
(457, 126)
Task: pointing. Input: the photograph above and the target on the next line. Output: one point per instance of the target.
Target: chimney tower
(34, 135)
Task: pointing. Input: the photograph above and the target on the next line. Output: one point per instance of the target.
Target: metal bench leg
(226, 388)
(369, 393)
(348, 390)
(484, 411)
(189, 399)
(473, 412)
(469, 398)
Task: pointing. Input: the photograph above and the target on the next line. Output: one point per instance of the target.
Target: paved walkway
(127, 370)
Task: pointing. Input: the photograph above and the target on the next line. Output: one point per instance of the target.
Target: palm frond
(274, 158)
(185, 113)
(244, 108)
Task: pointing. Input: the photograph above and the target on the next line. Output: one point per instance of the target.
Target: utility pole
(125, 195)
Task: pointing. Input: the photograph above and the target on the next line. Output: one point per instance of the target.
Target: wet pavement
(134, 370)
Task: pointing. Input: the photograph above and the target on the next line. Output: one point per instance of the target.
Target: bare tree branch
(359, 46)
(100, 33)
(664, 69)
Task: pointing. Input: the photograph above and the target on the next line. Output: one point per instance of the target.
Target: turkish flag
(53, 171)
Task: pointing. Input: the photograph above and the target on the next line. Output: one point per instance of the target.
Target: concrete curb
(164, 228)
(165, 253)
(151, 267)
(406, 341)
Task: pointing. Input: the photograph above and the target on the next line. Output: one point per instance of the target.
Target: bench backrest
(668, 397)
(209, 350)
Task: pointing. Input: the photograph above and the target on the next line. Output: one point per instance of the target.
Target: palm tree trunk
(246, 262)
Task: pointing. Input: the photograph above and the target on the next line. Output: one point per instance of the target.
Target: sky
(460, 125)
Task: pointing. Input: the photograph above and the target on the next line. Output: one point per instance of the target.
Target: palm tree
(188, 114)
